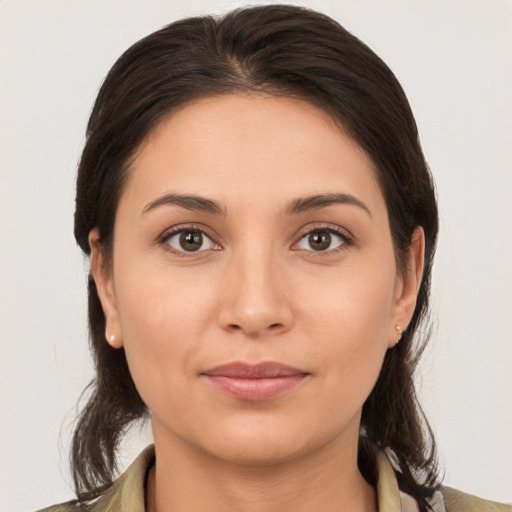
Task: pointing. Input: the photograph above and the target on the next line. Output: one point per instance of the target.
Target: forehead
(260, 147)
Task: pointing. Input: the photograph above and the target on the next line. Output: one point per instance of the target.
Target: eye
(190, 240)
(322, 240)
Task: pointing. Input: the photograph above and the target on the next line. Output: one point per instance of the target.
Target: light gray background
(454, 59)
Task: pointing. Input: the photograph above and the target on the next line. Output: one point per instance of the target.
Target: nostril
(271, 327)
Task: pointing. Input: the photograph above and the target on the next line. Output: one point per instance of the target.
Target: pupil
(191, 240)
(320, 241)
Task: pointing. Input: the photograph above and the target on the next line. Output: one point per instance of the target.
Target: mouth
(254, 382)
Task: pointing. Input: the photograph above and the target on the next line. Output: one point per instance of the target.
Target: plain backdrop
(454, 59)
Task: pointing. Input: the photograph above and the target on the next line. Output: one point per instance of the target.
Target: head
(265, 68)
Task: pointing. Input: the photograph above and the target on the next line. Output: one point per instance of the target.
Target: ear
(407, 287)
(105, 287)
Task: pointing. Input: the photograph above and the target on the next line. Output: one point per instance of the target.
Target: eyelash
(167, 235)
(346, 239)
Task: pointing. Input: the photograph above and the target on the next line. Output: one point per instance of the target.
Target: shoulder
(107, 502)
(99, 505)
(126, 493)
(458, 501)
(69, 506)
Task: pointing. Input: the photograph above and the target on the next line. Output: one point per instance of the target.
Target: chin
(263, 440)
(261, 451)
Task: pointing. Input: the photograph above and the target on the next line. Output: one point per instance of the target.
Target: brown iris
(191, 240)
(319, 240)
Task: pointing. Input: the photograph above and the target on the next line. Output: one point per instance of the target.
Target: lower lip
(256, 390)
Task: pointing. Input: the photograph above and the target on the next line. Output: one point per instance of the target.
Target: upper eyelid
(174, 230)
(318, 226)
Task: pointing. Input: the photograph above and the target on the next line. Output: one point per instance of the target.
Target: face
(253, 281)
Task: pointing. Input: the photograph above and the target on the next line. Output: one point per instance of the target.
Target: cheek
(348, 316)
(354, 304)
(162, 318)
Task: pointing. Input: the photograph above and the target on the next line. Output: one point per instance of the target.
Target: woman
(261, 224)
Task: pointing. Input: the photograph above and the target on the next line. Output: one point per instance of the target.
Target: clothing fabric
(127, 493)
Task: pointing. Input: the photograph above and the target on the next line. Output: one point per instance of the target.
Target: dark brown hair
(281, 50)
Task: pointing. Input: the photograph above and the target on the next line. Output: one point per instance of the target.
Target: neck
(187, 480)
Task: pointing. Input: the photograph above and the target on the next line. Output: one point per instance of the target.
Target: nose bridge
(254, 299)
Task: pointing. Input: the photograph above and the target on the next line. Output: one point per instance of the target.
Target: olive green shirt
(127, 493)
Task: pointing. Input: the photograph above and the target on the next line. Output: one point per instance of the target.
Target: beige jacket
(127, 493)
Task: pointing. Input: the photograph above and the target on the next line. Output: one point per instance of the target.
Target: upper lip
(264, 370)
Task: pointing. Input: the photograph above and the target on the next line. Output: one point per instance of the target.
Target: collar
(127, 493)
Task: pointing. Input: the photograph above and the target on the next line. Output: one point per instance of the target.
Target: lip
(254, 382)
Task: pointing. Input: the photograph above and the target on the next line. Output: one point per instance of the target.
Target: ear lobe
(105, 288)
(407, 286)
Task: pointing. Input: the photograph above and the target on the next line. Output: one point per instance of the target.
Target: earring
(398, 333)
(110, 339)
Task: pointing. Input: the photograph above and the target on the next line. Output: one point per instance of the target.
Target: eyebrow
(297, 206)
(187, 201)
(318, 201)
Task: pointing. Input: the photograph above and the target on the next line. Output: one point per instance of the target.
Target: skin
(258, 290)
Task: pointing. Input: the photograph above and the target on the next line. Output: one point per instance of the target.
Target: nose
(254, 297)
